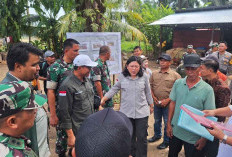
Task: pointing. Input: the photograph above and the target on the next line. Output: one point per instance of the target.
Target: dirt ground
(152, 150)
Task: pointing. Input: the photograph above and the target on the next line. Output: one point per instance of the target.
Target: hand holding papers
(188, 123)
(194, 121)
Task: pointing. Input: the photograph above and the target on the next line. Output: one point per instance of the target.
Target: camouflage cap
(17, 96)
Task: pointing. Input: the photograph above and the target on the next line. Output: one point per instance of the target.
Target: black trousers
(175, 146)
(210, 149)
(139, 137)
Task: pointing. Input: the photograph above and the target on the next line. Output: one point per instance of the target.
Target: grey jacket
(135, 96)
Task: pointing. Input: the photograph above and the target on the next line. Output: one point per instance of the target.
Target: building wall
(197, 38)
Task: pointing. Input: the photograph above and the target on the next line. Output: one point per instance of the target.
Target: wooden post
(212, 35)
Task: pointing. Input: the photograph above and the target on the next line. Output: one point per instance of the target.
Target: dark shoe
(163, 145)
(154, 139)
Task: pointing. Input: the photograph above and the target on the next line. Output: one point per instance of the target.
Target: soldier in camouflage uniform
(18, 107)
(100, 75)
(23, 64)
(57, 73)
(180, 69)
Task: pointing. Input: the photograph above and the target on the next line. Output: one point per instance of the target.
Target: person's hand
(200, 144)
(229, 77)
(39, 92)
(73, 152)
(71, 141)
(103, 101)
(54, 120)
(169, 130)
(155, 100)
(208, 113)
(164, 102)
(151, 109)
(216, 132)
(100, 108)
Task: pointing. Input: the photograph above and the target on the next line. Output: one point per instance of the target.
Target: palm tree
(47, 11)
(108, 20)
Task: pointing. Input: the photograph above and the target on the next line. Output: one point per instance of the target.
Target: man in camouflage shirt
(57, 73)
(18, 107)
(100, 75)
(23, 64)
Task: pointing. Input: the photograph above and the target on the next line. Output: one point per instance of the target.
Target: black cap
(192, 60)
(210, 57)
(165, 56)
(106, 133)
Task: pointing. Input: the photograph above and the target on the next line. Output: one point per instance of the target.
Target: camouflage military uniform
(21, 98)
(31, 133)
(57, 73)
(11, 146)
(101, 73)
(180, 70)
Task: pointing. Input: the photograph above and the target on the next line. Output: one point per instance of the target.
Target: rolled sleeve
(230, 106)
(52, 76)
(96, 73)
(96, 78)
(51, 85)
(65, 107)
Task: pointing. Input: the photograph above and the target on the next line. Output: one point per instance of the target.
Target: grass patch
(128, 46)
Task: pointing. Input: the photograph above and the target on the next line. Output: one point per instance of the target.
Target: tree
(11, 15)
(46, 30)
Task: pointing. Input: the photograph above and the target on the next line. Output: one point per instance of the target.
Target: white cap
(84, 60)
(48, 53)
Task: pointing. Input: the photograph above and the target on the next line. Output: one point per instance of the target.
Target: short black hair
(223, 42)
(19, 53)
(137, 47)
(104, 49)
(132, 59)
(68, 43)
(211, 64)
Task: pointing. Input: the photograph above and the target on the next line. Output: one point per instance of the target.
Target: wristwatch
(224, 139)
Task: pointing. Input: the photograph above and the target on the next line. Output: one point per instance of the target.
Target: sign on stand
(90, 43)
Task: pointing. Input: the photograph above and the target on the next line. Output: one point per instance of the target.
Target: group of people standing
(70, 96)
(71, 84)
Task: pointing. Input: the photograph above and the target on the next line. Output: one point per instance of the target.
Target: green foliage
(146, 14)
(3, 49)
(128, 46)
(39, 44)
(116, 98)
(46, 28)
(11, 13)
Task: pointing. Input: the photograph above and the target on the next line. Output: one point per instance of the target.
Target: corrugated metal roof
(201, 17)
